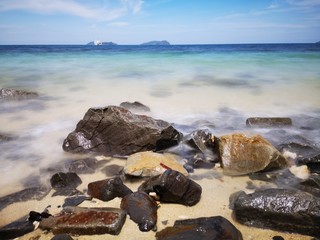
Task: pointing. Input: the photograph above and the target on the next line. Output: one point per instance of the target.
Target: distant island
(97, 42)
(163, 42)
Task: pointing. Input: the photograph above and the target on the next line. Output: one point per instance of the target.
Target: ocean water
(182, 84)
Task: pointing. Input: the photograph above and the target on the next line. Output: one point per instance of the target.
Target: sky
(177, 21)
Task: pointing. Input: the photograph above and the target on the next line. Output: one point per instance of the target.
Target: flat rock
(116, 131)
(173, 187)
(266, 122)
(142, 209)
(241, 155)
(86, 221)
(205, 228)
(279, 209)
(108, 189)
(15, 94)
(148, 163)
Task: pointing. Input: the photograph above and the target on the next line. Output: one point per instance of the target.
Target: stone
(75, 200)
(65, 180)
(142, 209)
(173, 187)
(112, 170)
(204, 228)
(86, 221)
(313, 162)
(265, 122)
(83, 166)
(135, 106)
(286, 210)
(5, 137)
(146, 164)
(16, 229)
(33, 193)
(15, 94)
(62, 237)
(36, 216)
(241, 155)
(116, 131)
(108, 189)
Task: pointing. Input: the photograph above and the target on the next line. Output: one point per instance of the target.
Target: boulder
(108, 189)
(241, 155)
(135, 106)
(204, 228)
(14, 94)
(279, 209)
(145, 164)
(116, 131)
(265, 122)
(173, 187)
(142, 209)
(86, 221)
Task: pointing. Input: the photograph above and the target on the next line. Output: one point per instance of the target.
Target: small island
(163, 42)
(97, 42)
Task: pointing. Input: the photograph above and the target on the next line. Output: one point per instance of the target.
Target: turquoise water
(181, 84)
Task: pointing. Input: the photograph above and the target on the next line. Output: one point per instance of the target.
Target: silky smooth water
(223, 84)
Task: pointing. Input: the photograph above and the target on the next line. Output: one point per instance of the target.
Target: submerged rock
(241, 155)
(116, 131)
(173, 187)
(279, 209)
(86, 221)
(205, 228)
(268, 122)
(148, 163)
(142, 209)
(135, 106)
(108, 189)
(15, 94)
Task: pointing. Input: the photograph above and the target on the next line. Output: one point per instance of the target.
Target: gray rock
(116, 131)
(268, 122)
(205, 228)
(135, 106)
(279, 209)
(86, 221)
(16, 229)
(14, 94)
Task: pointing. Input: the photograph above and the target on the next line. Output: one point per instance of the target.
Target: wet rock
(86, 221)
(14, 94)
(173, 187)
(146, 164)
(279, 209)
(241, 155)
(36, 216)
(135, 106)
(268, 122)
(313, 162)
(16, 229)
(34, 193)
(75, 200)
(205, 228)
(65, 180)
(117, 131)
(5, 137)
(83, 166)
(108, 189)
(62, 237)
(142, 209)
(112, 170)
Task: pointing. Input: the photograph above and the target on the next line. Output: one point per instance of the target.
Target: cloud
(118, 24)
(304, 2)
(73, 7)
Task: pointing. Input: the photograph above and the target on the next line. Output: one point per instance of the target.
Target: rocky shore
(132, 173)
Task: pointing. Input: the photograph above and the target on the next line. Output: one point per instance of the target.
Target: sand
(216, 189)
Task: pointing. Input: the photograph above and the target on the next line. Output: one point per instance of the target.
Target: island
(163, 42)
(97, 42)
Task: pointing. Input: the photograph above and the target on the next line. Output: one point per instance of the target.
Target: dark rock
(268, 122)
(313, 162)
(116, 131)
(36, 216)
(142, 209)
(201, 228)
(241, 155)
(173, 187)
(279, 209)
(16, 229)
(277, 238)
(135, 106)
(108, 189)
(34, 193)
(13, 94)
(112, 170)
(65, 180)
(66, 192)
(62, 236)
(5, 137)
(86, 221)
(75, 200)
(81, 167)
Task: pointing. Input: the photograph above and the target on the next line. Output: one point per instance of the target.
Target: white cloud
(118, 24)
(304, 2)
(73, 7)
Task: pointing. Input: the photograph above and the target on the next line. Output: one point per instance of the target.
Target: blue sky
(178, 21)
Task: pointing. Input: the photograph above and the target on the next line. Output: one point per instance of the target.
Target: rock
(5, 137)
(62, 237)
(173, 187)
(142, 209)
(204, 228)
(33, 193)
(75, 200)
(65, 180)
(148, 163)
(112, 170)
(14, 94)
(83, 166)
(116, 131)
(241, 155)
(156, 43)
(279, 209)
(16, 229)
(86, 221)
(36, 216)
(135, 106)
(313, 162)
(268, 122)
(108, 189)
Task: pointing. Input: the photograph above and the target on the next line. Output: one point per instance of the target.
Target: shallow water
(223, 84)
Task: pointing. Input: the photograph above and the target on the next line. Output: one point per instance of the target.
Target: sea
(191, 86)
